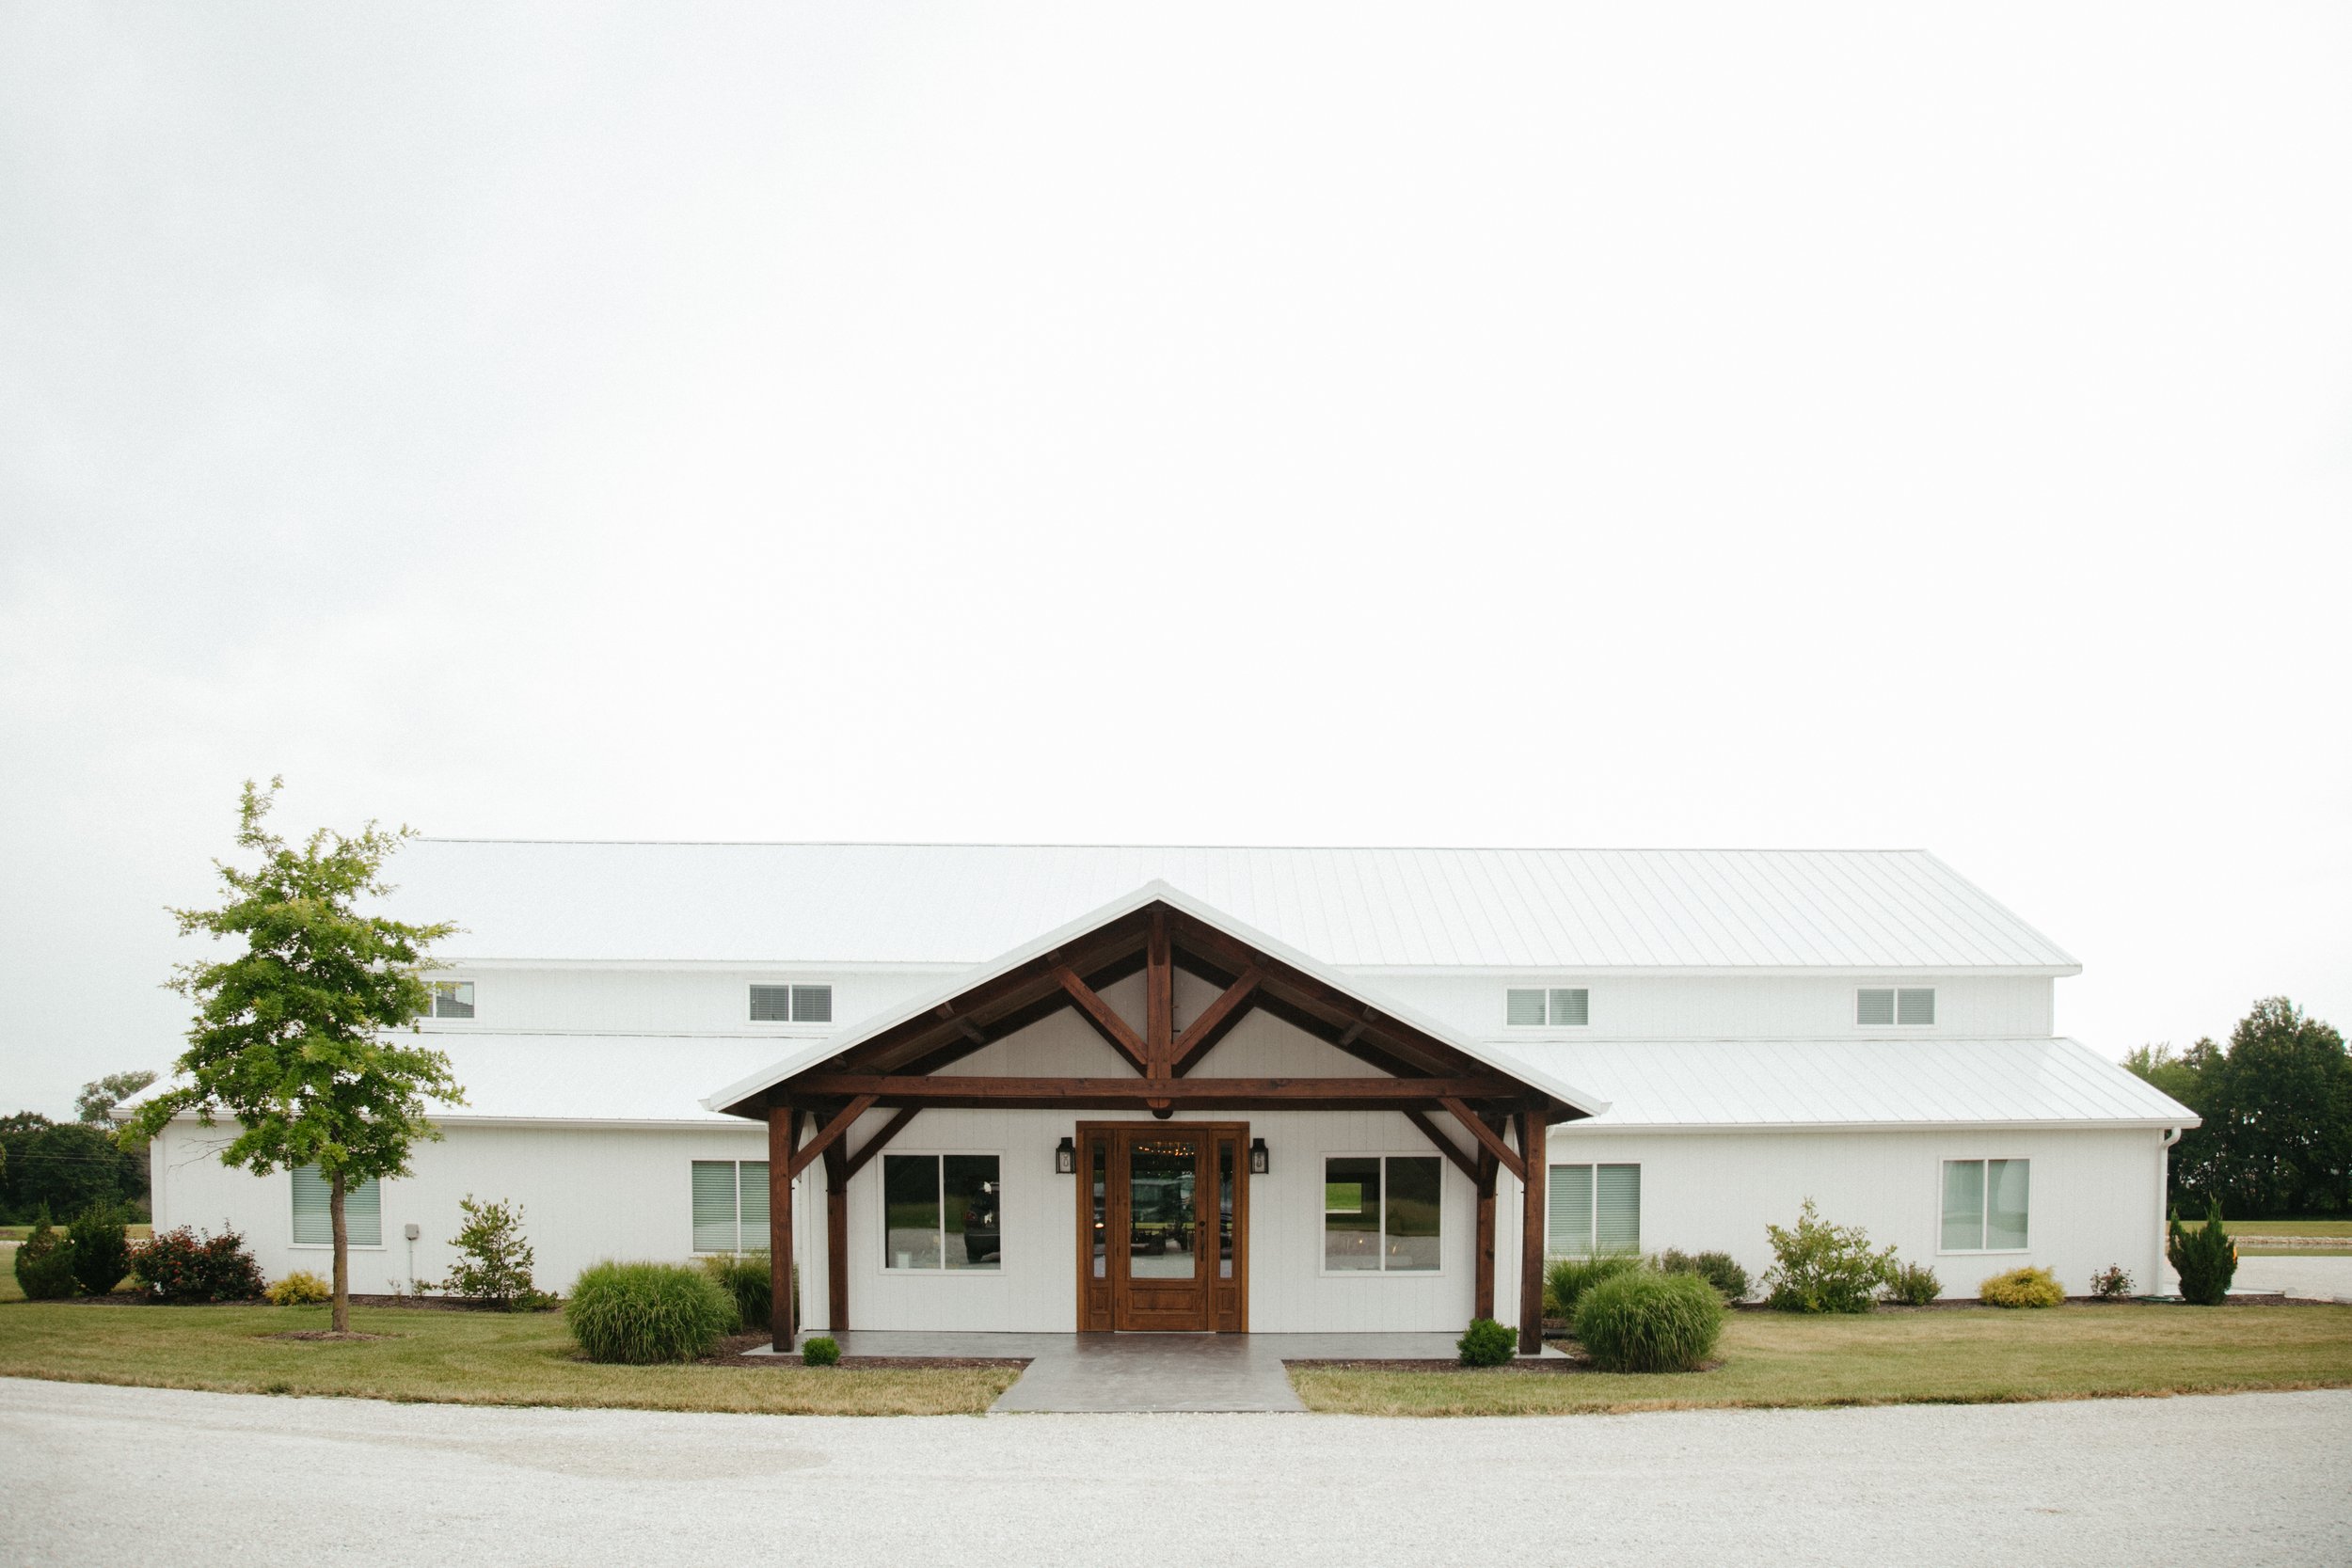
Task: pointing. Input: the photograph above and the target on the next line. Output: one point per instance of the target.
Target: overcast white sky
(1856, 425)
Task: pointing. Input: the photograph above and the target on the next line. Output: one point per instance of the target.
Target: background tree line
(66, 1166)
(2277, 1109)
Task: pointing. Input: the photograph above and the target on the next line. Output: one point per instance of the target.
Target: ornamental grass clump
(2205, 1258)
(1487, 1344)
(643, 1313)
(743, 1276)
(1567, 1280)
(1913, 1285)
(1820, 1267)
(1642, 1321)
(2022, 1288)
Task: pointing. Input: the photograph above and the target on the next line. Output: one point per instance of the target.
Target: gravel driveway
(88, 1473)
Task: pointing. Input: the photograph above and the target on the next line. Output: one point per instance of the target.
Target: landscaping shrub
(1489, 1343)
(1719, 1269)
(186, 1265)
(1567, 1280)
(1644, 1322)
(641, 1313)
(823, 1351)
(44, 1263)
(1820, 1267)
(100, 1248)
(2112, 1283)
(2207, 1260)
(494, 1261)
(2022, 1288)
(1913, 1285)
(744, 1276)
(300, 1289)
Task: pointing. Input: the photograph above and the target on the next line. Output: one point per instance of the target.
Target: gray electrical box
(412, 1230)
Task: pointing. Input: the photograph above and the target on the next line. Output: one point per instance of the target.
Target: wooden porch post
(1532, 1231)
(784, 1136)
(837, 1234)
(1483, 1297)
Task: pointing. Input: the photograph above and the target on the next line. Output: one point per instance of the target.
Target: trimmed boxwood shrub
(186, 1265)
(2022, 1288)
(1719, 1269)
(1489, 1343)
(44, 1263)
(823, 1351)
(743, 1276)
(1913, 1285)
(1567, 1280)
(2207, 1260)
(642, 1313)
(101, 1248)
(1641, 1321)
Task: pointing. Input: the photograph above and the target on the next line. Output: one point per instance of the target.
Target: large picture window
(941, 1211)
(730, 1205)
(1984, 1205)
(1380, 1212)
(1592, 1211)
(314, 1220)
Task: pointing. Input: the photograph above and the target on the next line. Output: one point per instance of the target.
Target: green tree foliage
(2276, 1106)
(494, 1260)
(44, 1263)
(2205, 1258)
(296, 1038)
(102, 1248)
(64, 1168)
(101, 1094)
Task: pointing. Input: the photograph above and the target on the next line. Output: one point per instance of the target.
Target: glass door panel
(1162, 1208)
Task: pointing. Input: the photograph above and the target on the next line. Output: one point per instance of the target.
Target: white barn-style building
(1076, 1089)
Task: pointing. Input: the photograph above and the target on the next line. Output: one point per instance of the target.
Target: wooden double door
(1163, 1227)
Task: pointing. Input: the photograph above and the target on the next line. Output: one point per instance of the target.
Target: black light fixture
(1066, 1157)
(1260, 1163)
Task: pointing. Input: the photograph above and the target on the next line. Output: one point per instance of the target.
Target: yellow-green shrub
(2022, 1288)
(300, 1289)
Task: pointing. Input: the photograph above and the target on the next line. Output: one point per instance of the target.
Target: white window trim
(881, 1196)
(382, 1225)
(1445, 1213)
(1548, 990)
(1853, 1013)
(1984, 1215)
(738, 1249)
(1594, 1227)
(828, 1023)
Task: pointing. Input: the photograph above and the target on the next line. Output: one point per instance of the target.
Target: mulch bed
(1573, 1361)
(329, 1334)
(733, 1352)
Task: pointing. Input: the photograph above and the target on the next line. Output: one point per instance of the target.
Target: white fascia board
(1716, 972)
(1150, 892)
(2122, 1124)
(447, 963)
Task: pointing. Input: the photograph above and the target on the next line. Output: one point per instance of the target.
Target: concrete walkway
(2316, 1278)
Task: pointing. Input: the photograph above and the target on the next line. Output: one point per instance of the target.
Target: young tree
(294, 1037)
(101, 1094)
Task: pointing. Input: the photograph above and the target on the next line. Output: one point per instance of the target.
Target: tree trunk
(341, 1322)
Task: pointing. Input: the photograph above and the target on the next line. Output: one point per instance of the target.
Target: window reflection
(941, 1211)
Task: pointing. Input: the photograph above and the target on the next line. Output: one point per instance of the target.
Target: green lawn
(2340, 1229)
(1984, 1356)
(444, 1357)
(18, 1232)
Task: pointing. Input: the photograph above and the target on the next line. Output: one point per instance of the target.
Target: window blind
(714, 1205)
(1617, 1209)
(771, 1003)
(1523, 1008)
(812, 1003)
(1874, 1007)
(1571, 1007)
(313, 1210)
(1568, 1211)
(1914, 1006)
(752, 1184)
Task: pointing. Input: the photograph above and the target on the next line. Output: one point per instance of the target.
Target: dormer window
(791, 1004)
(1895, 1007)
(1553, 1007)
(451, 999)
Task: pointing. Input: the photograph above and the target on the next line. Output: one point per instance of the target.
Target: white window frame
(471, 998)
(1549, 1023)
(738, 1249)
(1445, 1205)
(1984, 1214)
(939, 1157)
(1895, 1001)
(1592, 1215)
(383, 1229)
(792, 1003)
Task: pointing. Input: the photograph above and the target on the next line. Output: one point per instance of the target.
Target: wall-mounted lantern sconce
(1066, 1157)
(1260, 1163)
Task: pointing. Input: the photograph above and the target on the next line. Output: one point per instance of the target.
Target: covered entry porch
(1154, 1118)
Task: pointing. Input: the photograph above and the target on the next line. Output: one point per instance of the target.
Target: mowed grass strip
(1772, 1360)
(443, 1357)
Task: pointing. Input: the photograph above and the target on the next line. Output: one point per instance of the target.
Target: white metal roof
(1585, 910)
(1853, 1084)
(1534, 1074)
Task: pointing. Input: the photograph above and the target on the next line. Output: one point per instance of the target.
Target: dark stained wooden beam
(891, 1129)
(784, 1136)
(831, 1133)
(1532, 1130)
(836, 1236)
(1446, 1146)
(1488, 1137)
(1102, 1021)
(1215, 1022)
(1236, 1093)
(1483, 1272)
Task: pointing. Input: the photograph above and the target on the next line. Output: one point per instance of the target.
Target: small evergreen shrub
(823, 1351)
(1567, 1280)
(2022, 1288)
(2207, 1260)
(101, 1248)
(744, 1276)
(1820, 1267)
(643, 1313)
(2112, 1283)
(1913, 1285)
(494, 1261)
(1719, 1269)
(186, 1265)
(1644, 1322)
(300, 1289)
(44, 1263)
(1489, 1343)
